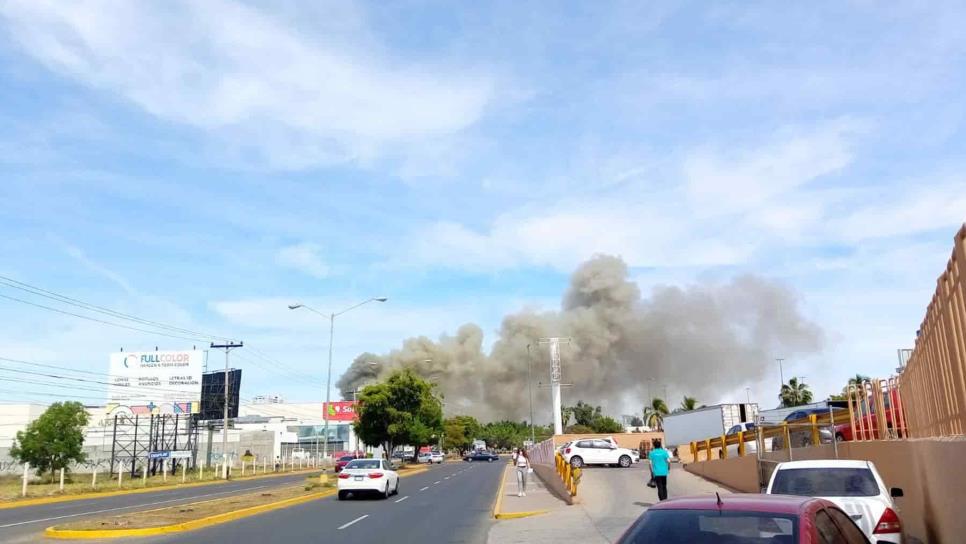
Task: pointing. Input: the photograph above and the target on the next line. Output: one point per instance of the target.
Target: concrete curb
(498, 503)
(98, 494)
(67, 534)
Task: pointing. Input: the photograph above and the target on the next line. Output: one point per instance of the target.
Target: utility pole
(530, 391)
(224, 430)
(555, 376)
(781, 371)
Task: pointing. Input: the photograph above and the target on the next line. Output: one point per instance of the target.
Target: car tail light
(344, 476)
(888, 523)
(375, 475)
(567, 450)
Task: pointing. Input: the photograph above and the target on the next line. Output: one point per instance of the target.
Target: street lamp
(328, 382)
(530, 392)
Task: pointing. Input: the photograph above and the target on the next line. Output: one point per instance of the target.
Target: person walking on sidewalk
(522, 463)
(660, 466)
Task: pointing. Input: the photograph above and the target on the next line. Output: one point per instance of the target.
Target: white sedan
(854, 486)
(368, 476)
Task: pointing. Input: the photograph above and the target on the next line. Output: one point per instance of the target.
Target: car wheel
(395, 490)
(342, 495)
(625, 461)
(386, 493)
(576, 461)
(490, 460)
(839, 437)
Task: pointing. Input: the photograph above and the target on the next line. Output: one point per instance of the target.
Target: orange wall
(928, 470)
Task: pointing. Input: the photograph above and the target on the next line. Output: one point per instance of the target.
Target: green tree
(795, 393)
(54, 440)
(459, 433)
(654, 414)
(636, 421)
(688, 403)
(505, 435)
(585, 414)
(607, 425)
(565, 414)
(402, 410)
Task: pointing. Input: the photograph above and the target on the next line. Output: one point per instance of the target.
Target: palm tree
(688, 404)
(857, 380)
(654, 414)
(795, 393)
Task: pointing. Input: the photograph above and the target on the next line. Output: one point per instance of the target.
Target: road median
(106, 491)
(197, 515)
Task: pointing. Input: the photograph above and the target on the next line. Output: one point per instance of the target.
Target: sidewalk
(610, 499)
(539, 499)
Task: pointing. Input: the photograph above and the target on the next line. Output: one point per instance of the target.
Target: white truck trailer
(684, 427)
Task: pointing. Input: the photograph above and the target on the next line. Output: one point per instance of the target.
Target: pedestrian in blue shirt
(659, 458)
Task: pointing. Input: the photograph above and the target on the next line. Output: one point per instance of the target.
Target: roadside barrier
(875, 412)
(546, 454)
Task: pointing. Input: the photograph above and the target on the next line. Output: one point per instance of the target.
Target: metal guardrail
(813, 423)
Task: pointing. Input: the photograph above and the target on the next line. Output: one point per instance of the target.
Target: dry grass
(188, 512)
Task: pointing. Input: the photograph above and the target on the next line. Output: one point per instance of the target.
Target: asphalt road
(447, 504)
(26, 523)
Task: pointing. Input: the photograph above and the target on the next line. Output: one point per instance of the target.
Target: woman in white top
(522, 462)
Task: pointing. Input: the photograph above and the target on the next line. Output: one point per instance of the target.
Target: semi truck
(708, 422)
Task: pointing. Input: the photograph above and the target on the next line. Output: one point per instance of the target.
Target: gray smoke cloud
(702, 340)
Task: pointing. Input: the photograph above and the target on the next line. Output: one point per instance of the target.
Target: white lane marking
(425, 488)
(446, 478)
(402, 499)
(436, 482)
(357, 520)
(128, 507)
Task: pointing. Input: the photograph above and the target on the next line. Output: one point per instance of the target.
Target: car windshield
(366, 464)
(711, 527)
(825, 482)
(346, 458)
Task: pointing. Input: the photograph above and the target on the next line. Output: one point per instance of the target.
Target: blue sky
(205, 164)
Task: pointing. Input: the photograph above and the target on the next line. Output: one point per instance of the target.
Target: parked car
(843, 431)
(481, 456)
(405, 456)
(751, 445)
(801, 435)
(368, 476)
(424, 457)
(596, 451)
(745, 519)
(436, 457)
(854, 486)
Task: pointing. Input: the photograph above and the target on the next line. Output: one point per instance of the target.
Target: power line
(94, 319)
(10, 282)
(193, 335)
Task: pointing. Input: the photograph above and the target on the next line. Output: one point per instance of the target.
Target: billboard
(339, 411)
(155, 382)
(213, 394)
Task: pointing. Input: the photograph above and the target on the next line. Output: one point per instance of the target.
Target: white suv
(596, 451)
(854, 486)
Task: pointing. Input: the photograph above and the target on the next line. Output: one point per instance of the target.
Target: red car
(343, 461)
(744, 519)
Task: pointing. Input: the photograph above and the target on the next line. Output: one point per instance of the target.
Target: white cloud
(721, 180)
(305, 258)
(255, 85)
(722, 205)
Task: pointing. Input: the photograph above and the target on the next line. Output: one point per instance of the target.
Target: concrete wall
(548, 475)
(928, 470)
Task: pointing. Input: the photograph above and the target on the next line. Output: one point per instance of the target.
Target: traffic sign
(159, 455)
(181, 454)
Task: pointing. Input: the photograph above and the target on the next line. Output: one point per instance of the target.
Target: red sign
(339, 411)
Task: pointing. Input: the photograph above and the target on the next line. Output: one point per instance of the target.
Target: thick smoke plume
(703, 341)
